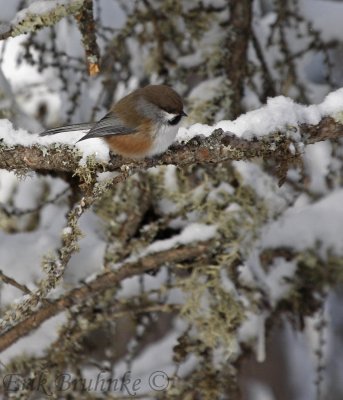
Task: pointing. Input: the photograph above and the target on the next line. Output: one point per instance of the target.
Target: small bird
(142, 124)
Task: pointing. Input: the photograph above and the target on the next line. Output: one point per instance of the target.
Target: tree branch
(85, 20)
(32, 19)
(218, 147)
(99, 284)
(236, 46)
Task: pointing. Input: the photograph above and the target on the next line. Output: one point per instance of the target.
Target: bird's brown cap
(164, 97)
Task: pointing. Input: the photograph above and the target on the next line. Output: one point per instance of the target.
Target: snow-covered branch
(191, 255)
(278, 131)
(215, 148)
(42, 14)
(39, 15)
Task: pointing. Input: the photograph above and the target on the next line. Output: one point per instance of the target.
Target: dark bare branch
(236, 46)
(86, 24)
(101, 283)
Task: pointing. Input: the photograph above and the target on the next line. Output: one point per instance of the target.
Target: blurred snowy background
(277, 252)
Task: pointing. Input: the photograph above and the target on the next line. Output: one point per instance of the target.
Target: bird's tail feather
(67, 128)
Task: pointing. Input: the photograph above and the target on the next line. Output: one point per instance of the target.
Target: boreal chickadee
(143, 123)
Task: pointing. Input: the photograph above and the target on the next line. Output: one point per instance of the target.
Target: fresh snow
(38, 8)
(279, 114)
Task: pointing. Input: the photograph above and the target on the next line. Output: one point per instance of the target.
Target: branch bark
(29, 20)
(101, 283)
(86, 23)
(218, 147)
(237, 45)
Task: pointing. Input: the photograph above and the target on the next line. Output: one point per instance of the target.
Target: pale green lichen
(216, 322)
(33, 22)
(338, 117)
(7, 110)
(211, 309)
(87, 172)
(7, 223)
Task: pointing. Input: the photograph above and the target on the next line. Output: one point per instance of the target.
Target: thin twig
(14, 283)
(14, 211)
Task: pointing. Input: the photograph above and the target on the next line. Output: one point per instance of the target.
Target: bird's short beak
(184, 114)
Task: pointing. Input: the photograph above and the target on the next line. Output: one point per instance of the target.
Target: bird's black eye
(175, 120)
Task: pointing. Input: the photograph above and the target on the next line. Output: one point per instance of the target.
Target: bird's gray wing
(67, 128)
(109, 125)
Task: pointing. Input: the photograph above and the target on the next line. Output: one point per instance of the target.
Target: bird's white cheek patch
(169, 116)
(164, 137)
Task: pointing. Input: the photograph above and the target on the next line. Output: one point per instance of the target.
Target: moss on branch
(31, 21)
(220, 146)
